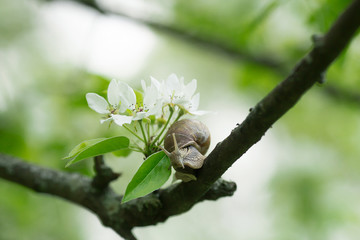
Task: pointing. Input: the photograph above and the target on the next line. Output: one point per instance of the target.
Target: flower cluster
(160, 104)
(124, 105)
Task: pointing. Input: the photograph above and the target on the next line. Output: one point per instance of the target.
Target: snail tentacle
(185, 144)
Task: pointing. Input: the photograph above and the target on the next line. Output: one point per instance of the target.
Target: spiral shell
(186, 142)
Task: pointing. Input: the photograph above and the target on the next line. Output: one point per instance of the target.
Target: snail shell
(185, 143)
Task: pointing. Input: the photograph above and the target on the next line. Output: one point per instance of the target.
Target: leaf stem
(148, 131)
(136, 149)
(165, 126)
(132, 132)
(135, 145)
(180, 114)
(142, 131)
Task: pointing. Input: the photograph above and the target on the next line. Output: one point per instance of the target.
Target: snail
(185, 144)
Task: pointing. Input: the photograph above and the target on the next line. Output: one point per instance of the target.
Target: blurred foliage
(11, 28)
(257, 27)
(305, 211)
(27, 216)
(306, 198)
(37, 124)
(43, 112)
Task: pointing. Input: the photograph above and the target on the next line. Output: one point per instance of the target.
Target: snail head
(177, 156)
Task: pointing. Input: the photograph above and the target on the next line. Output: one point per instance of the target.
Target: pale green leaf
(82, 146)
(96, 147)
(151, 175)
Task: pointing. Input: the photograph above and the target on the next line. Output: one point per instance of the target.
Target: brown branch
(103, 202)
(70, 186)
(159, 205)
(104, 174)
(281, 99)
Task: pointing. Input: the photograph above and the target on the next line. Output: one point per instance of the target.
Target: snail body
(185, 144)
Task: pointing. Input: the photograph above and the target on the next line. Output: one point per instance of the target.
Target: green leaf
(95, 147)
(152, 174)
(123, 152)
(82, 146)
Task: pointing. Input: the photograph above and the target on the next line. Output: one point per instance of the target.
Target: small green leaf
(82, 146)
(123, 152)
(151, 175)
(95, 147)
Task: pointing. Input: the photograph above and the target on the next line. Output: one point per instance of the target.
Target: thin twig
(104, 174)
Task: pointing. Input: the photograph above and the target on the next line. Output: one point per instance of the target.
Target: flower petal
(97, 103)
(121, 119)
(155, 109)
(200, 112)
(143, 85)
(180, 100)
(195, 101)
(113, 93)
(140, 115)
(190, 89)
(173, 84)
(105, 120)
(156, 83)
(127, 96)
(151, 95)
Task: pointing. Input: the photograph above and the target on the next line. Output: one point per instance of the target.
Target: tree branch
(178, 198)
(281, 99)
(190, 36)
(103, 202)
(104, 174)
(221, 47)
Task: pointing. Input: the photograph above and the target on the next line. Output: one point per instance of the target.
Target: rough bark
(96, 195)
(282, 98)
(179, 198)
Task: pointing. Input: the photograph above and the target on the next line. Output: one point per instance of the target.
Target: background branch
(178, 198)
(221, 47)
(190, 36)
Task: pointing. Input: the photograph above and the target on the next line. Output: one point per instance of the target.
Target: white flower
(122, 106)
(100, 105)
(174, 92)
(153, 100)
(193, 105)
(136, 110)
(120, 96)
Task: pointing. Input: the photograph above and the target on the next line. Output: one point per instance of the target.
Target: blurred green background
(301, 181)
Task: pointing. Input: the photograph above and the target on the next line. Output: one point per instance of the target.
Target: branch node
(221, 188)
(318, 40)
(104, 174)
(322, 78)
